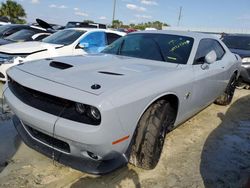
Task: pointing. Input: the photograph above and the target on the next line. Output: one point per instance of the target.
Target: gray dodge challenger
(96, 113)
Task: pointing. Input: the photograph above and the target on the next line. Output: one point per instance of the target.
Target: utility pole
(114, 12)
(180, 16)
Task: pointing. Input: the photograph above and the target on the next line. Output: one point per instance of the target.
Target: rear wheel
(149, 138)
(241, 84)
(227, 96)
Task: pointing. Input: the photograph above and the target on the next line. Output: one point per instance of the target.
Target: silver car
(98, 112)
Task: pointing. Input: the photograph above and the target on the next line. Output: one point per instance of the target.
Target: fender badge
(187, 95)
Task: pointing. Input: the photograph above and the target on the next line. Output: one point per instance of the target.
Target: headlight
(246, 60)
(94, 112)
(10, 61)
(80, 108)
(89, 113)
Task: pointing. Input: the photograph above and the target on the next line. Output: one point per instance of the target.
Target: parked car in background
(42, 26)
(9, 29)
(97, 112)
(68, 42)
(29, 34)
(4, 20)
(240, 44)
(85, 25)
(127, 30)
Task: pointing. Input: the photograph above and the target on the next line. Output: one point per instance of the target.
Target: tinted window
(205, 46)
(3, 28)
(237, 42)
(218, 49)
(40, 37)
(111, 37)
(160, 47)
(11, 31)
(96, 39)
(64, 37)
(23, 35)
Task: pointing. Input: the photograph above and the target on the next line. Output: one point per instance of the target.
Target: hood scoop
(60, 65)
(110, 73)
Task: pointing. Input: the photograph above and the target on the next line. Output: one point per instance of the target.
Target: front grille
(51, 141)
(47, 103)
(50, 104)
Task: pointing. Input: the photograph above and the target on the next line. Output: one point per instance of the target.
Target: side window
(95, 39)
(219, 50)
(11, 31)
(40, 37)
(111, 37)
(205, 46)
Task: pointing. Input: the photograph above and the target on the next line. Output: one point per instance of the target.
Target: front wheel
(227, 96)
(150, 134)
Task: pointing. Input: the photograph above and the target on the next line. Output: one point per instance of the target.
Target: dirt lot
(210, 150)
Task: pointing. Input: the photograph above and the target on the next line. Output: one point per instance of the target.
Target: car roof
(237, 35)
(191, 34)
(95, 29)
(17, 25)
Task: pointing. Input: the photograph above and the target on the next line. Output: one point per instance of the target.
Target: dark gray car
(240, 44)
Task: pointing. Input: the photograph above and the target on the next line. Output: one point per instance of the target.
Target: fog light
(92, 155)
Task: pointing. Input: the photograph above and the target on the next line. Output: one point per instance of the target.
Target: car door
(94, 42)
(209, 78)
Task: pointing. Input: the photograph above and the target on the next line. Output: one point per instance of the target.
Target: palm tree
(13, 11)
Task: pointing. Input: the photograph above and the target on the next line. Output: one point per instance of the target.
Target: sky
(195, 13)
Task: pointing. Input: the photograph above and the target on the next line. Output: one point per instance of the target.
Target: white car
(67, 42)
(97, 112)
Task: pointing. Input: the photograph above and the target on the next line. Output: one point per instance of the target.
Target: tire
(149, 137)
(227, 96)
(240, 84)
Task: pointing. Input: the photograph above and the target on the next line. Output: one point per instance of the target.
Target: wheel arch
(171, 97)
(174, 101)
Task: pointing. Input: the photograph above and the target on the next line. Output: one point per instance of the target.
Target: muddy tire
(227, 96)
(149, 137)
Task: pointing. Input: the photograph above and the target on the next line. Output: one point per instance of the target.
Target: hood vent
(60, 65)
(111, 73)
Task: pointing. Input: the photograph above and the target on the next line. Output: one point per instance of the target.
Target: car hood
(27, 47)
(240, 52)
(108, 71)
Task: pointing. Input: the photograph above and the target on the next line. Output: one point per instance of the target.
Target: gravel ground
(211, 149)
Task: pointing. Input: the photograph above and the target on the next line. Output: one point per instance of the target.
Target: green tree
(13, 11)
(117, 24)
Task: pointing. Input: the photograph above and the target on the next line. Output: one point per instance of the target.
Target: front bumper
(79, 163)
(74, 139)
(245, 73)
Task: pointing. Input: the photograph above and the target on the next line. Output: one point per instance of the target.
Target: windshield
(3, 28)
(159, 47)
(23, 35)
(237, 42)
(64, 37)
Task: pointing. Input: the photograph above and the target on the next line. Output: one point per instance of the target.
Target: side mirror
(211, 57)
(83, 45)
